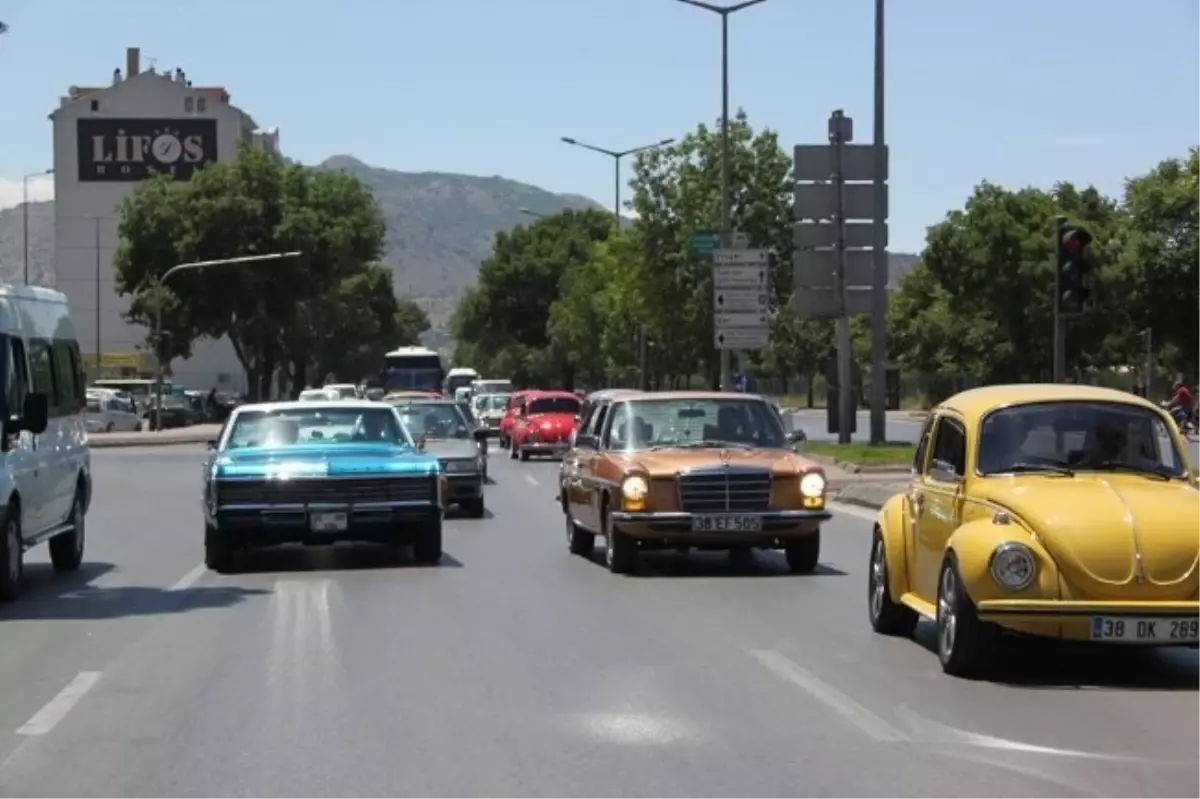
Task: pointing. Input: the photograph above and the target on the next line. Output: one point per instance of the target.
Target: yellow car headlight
(1013, 566)
(812, 485)
(634, 489)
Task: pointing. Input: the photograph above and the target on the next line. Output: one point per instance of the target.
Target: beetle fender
(892, 525)
(973, 544)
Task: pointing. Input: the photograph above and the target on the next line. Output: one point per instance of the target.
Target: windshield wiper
(1048, 468)
(1157, 471)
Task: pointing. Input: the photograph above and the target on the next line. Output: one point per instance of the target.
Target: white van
(45, 464)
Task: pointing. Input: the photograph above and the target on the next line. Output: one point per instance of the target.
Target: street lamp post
(616, 156)
(161, 283)
(25, 213)
(726, 232)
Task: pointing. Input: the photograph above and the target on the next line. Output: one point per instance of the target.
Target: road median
(868, 493)
(196, 434)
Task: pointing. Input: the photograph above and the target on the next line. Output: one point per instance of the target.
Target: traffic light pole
(1060, 328)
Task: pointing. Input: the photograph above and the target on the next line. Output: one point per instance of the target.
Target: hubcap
(13, 542)
(878, 581)
(947, 621)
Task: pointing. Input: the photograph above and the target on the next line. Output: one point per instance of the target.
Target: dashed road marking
(57, 708)
(788, 670)
(185, 582)
(529, 478)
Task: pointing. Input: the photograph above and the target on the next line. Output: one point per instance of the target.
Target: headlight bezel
(1004, 555)
(635, 488)
(816, 479)
(462, 465)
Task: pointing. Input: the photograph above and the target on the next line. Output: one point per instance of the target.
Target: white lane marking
(185, 582)
(787, 669)
(302, 647)
(854, 510)
(636, 729)
(931, 730)
(57, 708)
(529, 478)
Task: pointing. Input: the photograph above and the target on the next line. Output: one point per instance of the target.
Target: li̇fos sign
(129, 150)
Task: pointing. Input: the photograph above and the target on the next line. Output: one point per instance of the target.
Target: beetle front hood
(1113, 536)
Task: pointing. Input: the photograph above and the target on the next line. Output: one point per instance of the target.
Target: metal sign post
(839, 214)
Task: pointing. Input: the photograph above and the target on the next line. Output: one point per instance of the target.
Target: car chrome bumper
(461, 487)
(675, 527)
(1060, 610)
(680, 516)
(270, 525)
(544, 447)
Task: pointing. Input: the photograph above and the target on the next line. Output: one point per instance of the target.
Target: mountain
(440, 226)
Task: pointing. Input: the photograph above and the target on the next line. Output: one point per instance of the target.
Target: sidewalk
(196, 434)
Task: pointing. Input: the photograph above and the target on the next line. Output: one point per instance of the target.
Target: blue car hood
(324, 460)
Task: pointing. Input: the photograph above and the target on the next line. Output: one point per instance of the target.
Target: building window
(188, 104)
(201, 105)
(95, 105)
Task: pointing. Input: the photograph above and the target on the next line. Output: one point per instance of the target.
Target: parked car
(1059, 511)
(177, 411)
(108, 413)
(317, 473)
(690, 470)
(46, 479)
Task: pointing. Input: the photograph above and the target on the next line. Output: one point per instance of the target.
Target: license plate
(1148, 631)
(328, 522)
(726, 524)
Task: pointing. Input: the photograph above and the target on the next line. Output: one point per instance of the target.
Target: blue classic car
(315, 473)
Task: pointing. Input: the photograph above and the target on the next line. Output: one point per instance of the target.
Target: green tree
(274, 313)
(677, 192)
(502, 324)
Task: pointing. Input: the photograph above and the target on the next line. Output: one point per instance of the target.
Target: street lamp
(161, 283)
(616, 156)
(25, 211)
(724, 11)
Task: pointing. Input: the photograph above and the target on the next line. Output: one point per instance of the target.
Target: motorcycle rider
(1180, 404)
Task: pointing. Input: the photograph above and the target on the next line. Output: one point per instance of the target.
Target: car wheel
(108, 428)
(524, 455)
(427, 548)
(12, 555)
(803, 554)
(887, 617)
(964, 643)
(218, 550)
(473, 508)
(620, 551)
(66, 549)
(579, 541)
(512, 451)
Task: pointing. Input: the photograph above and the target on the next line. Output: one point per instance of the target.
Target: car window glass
(617, 417)
(923, 444)
(949, 448)
(598, 421)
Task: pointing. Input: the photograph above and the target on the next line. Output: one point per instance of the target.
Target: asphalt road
(517, 669)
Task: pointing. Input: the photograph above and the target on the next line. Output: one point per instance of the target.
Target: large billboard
(129, 150)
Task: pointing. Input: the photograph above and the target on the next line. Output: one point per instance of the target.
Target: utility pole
(726, 200)
(879, 298)
(839, 132)
(616, 156)
(98, 348)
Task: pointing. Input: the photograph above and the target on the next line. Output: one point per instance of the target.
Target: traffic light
(1073, 283)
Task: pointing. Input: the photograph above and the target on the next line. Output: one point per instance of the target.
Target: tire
(804, 553)
(512, 451)
(12, 554)
(524, 455)
(218, 550)
(427, 548)
(473, 508)
(66, 549)
(620, 551)
(579, 541)
(964, 643)
(887, 617)
(109, 427)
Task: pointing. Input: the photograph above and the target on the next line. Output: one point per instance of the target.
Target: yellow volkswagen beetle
(1059, 511)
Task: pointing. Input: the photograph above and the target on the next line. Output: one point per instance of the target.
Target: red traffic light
(1075, 239)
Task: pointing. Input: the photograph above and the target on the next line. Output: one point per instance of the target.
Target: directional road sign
(722, 319)
(740, 300)
(742, 338)
(817, 161)
(819, 235)
(741, 257)
(705, 241)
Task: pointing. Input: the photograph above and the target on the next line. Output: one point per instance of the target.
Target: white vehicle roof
(339, 405)
(461, 371)
(318, 395)
(340, 386)
(402, 351)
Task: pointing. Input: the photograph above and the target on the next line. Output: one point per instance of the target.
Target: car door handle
(918, 501)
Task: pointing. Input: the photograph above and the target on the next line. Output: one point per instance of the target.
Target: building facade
(106, 139)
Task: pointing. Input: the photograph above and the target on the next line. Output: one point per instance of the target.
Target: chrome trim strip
(300, 507)
(680, 516)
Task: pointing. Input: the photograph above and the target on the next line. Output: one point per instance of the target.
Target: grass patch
(893, 453)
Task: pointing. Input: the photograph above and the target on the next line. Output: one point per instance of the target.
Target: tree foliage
(331, 309)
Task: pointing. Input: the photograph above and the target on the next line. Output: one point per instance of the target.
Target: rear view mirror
(35, 415)
(585, 441)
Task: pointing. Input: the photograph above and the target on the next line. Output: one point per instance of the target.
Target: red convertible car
(542, 424)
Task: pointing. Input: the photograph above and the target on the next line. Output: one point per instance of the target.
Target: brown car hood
(669, 462)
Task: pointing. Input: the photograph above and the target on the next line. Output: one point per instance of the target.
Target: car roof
(611, 393)
(548, 394)
(975, 402)
(270, 407)
(693, 395)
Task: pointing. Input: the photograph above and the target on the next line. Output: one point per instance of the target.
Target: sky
(1017, 92)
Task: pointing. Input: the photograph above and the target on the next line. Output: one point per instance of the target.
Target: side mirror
(587, 442)
(797, 437)
(421, 444)
(212, 443)
(35, 415)
(481, 435)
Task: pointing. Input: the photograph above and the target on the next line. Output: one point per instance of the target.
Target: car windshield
(699, 423)
(1087, 436)
(436, 420)
(554, 405)
(325, 424)
(491, 402)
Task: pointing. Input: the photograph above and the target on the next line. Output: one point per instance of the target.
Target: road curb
(868, 495)
(849, 467)
(112, 440)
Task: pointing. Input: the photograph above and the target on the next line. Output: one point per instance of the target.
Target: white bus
(412, 369)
